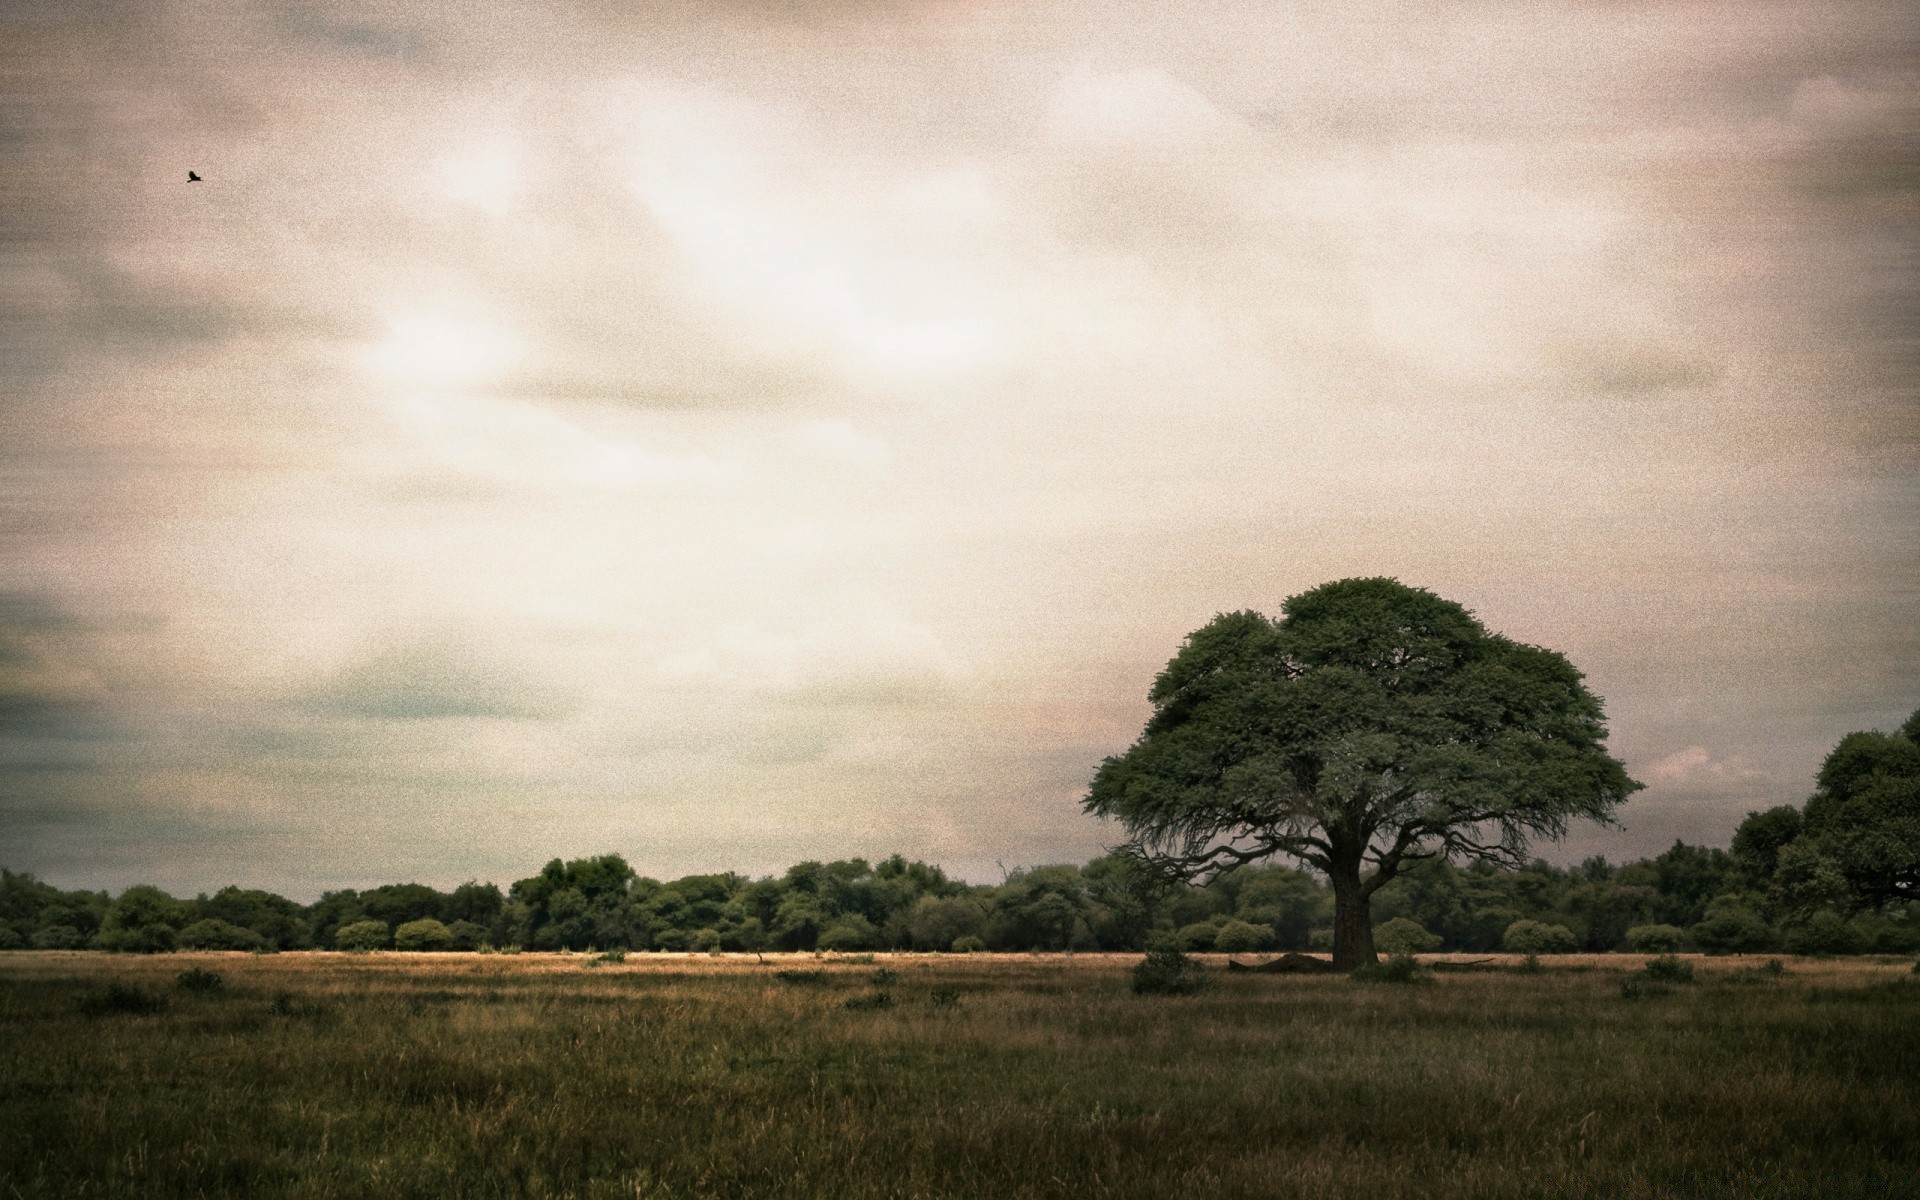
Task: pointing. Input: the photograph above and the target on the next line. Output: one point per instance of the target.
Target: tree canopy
(1371, 726)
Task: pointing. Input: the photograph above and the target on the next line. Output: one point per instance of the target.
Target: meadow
(902, 1075)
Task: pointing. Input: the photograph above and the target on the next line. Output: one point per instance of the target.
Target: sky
(734, 432)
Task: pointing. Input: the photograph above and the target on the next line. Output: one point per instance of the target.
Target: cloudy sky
(747, 431)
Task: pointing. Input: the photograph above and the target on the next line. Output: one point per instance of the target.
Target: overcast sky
(750, 431)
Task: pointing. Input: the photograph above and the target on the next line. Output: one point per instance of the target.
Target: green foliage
(967, 945)
(1239, 937)
(1538, 937)
(362, 935)
(1732, 926)
(849, 932)
(200, 981)
(1669, 969)
(423, 934)
(1655, 939)
(1404, 935)
(1165, 971)
(1398, 968)
(58, 937)
(467, 935)
(1198, 937)
(1825, 932)
(212, 933)
(1372, 722)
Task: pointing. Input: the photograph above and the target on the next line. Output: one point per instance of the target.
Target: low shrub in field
(1165, 971)
(362, 935)
(871, 1000)
(123, 998)
(1538, 937)
(1199, 936)
(1238, 937)
(968, 944)
(1825, 932)
(885, 978)
(1668, 969)
(1639, 987)
(424, 934)
(1530, 965)
(147, 939)
(616, 955)
(1399, 968)
(215, 934)
(199, 980)
(1655, 939)
(1404, 935)
(944, 998)
(801, 976)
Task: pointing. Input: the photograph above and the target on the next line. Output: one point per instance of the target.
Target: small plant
(616, 955)
(1637, 987)
(861, 959)
(1165, 971)
(868, 1002)
(1776, 967)
(969, 944)
(1530, 965)
(944, 998)
(199, 980)
(1399, 968)
(801, 977)
(885, 978)
(283, 1005)
(123, 998)
(1669, 969)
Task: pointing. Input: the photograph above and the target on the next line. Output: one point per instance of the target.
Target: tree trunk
(1352, 922)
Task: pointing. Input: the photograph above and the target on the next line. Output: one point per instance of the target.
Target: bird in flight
(193, 177)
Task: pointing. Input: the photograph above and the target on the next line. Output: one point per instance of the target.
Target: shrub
(10, 938)
(1404, 935)
(1636, 987)
(1320, 939)
(1731, 927)
(1668, 969)
(851, 932)
(1236, 937)
(147, 939)
(1825, 932)
(424, 934)
(1530, 965)
(805, 977)
(1399, 968)
(944, 998)
(968, 944)
(123, 998)
(704, 939)
(1165, 971)
(1200, 936)
(361, 935)
(467, 935)
(58, 937)
(199, 980)
(616, 955)
(215, 934)
(1655, 939)
(1538, 937)
(869, 1001)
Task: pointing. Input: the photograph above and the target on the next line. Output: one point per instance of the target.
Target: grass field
(392, 1075)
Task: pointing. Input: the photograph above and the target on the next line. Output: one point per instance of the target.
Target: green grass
(393, 1075)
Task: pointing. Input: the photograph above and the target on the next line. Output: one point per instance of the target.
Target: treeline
(1839, 875)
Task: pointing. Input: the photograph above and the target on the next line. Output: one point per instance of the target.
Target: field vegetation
(392, 1074)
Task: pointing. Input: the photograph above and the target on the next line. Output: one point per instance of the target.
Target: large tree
(1372, 725)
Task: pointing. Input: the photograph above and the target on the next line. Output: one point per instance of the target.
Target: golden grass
(392, 1074)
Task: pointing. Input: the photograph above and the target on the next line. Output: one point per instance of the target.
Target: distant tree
(1732, 925)
(142, 920)
(211, 933)
(936, 921)
(424, 934)
(467, 935)
(362, 935)
(1238, 937)
(1198, 937)
(1538, 937)
(849, 932)
(1372, 726)
(1760, 838)
(1655, 939)
(1865, 816)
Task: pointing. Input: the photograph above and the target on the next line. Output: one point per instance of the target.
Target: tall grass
(464, 1076)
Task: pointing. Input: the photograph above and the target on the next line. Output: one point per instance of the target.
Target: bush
(1655, 939)
(58, 937)
(467, 935)
(1731, 927)
(1200, 936)
(1320, 939)
(199, 980)
(968, 944)
(1399, 968)
(1404, 935)
(1537, 937)
(215, 934)
(1825, 932)
(424, 934)
(123, 998)
(852, 932)
(1236, 937)
(148, 939)
(1165, 971)
(1668, 969)
(10, 938)
(871, 1000)
(361, 935)
(1636, 987)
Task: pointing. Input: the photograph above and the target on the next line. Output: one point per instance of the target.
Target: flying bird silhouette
(193, 177)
